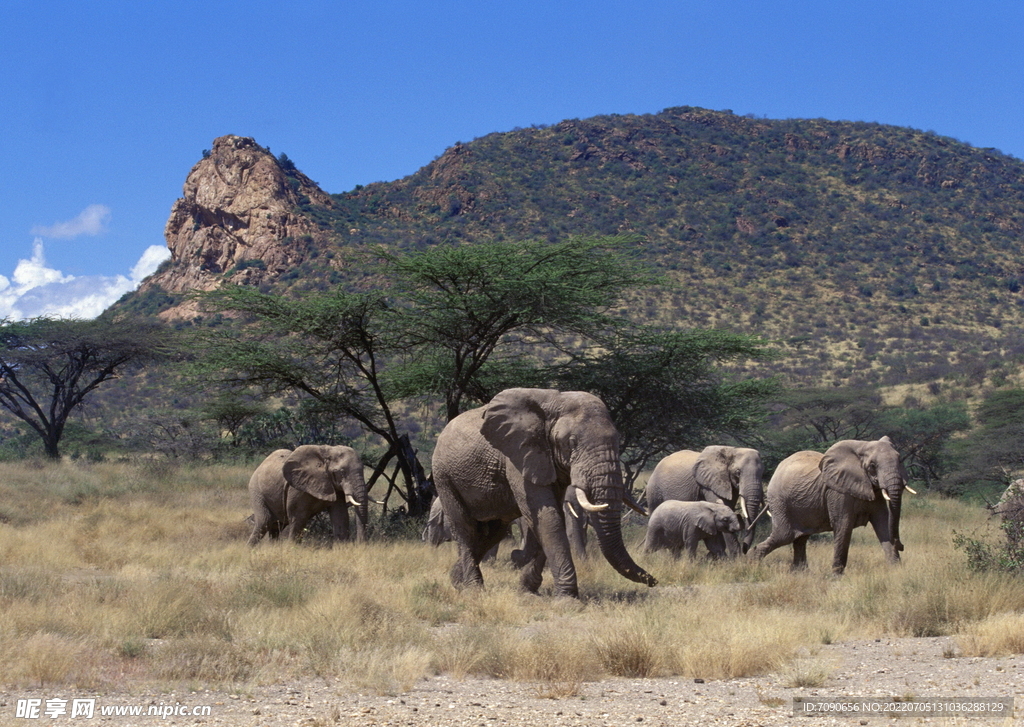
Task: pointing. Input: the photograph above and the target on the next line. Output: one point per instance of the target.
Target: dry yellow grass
(112, 570)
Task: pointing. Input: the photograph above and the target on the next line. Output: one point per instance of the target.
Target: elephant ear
(712, 472)
(844, 472)
(705, 521)
(305, 469)
(515, 424)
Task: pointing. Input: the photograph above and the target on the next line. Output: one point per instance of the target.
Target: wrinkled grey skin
(715, 474)
(290, 487)
(676, 525)
(837, 491)
(515, 457)
(1011, 503)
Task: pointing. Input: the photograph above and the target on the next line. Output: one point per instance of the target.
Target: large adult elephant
(514, 458)
(291, 486)
(730, 475)
(850, 485)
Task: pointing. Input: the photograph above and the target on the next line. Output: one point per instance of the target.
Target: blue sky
(105, 106)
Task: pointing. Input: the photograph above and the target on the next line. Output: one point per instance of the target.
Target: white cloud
(33, 272)
(36, 290)
(91, 221)
(149, 262)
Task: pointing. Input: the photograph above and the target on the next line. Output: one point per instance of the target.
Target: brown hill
(871, 254)
(240, 220)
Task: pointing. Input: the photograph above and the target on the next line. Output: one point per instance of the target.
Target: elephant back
(267, 485)
(796, 483)
(673, 479)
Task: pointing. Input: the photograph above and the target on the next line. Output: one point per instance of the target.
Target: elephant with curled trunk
(291, 486)
(850, 485)
(730, 475)
(515, 457)
(676, 525)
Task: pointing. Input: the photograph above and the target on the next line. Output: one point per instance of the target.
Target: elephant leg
(544, 519)
(880, 524)
(491, 533)
(259, 529)
(518, 555)
(800, 552)
(300, 511)
(339, 521)
(296, 526)
(731, 544)
(528, 549)
(691, 548)
(293, 530)
(780, 535)
(841, 549)
(550, 526)
(576, 529)
(529, 558)
(718, 546)
(465, 571)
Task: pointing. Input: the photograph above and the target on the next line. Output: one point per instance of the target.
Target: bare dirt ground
(886, 669)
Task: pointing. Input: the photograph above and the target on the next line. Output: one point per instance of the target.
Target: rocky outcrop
(239, 220)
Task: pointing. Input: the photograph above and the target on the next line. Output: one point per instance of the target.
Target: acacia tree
(329, 347)
(666, 390)
(920, 435)
(48, 367)
(471, 312)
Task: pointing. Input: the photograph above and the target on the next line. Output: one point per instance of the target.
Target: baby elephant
(675, 525)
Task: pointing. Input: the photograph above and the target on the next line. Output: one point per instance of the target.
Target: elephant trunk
(752, 497)
(361, 520)
(608, 529)
(753, 509)
(361, 504)
(895, 502)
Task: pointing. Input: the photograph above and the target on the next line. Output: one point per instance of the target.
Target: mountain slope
(870, 253)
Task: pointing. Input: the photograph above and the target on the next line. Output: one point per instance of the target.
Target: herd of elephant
(550, 460)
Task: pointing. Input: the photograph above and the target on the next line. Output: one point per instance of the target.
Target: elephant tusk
(587, 505)
(351, 500)
(910, 489)
(759, 516)
(376, 502)
(571, 511)
(886, 496)
(633, 504)
(743, 507)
